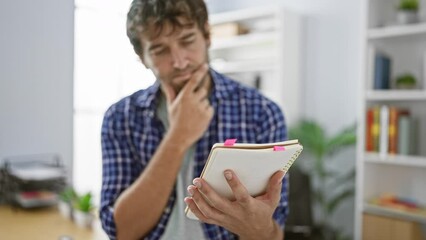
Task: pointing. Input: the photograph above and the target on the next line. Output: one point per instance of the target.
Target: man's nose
(179, 58)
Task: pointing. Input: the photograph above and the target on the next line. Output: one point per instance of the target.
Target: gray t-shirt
(179, 226)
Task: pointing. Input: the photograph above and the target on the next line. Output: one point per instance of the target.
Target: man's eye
(188, 41)
(159, 51)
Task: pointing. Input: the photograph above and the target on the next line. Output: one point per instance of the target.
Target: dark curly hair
(146, 13)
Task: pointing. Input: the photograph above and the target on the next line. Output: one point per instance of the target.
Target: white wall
(36, 74)
(331, 60)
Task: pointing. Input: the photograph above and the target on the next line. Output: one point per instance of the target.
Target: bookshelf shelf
(396, 31)
(387, 212)
(243, 66)
(242, 15)
(412, 161)
(244, 40)
(396, 95)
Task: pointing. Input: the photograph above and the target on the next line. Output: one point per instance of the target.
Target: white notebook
(254, 164)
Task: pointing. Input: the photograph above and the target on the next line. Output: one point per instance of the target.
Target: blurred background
(347, 74)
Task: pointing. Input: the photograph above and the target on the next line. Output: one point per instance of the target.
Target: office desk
(43, 224)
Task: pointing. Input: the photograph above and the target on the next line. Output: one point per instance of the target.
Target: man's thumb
(169, 92)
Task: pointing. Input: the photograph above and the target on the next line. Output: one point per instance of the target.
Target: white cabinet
(401, 175)
(267, 56)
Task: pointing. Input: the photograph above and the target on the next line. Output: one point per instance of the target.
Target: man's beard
(192, 69)
(179, 87)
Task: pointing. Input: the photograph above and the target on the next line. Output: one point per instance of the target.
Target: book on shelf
(369, 142)
(384, 131)
(401, 204)
(393, 130)
(403, 138)
(372, 129)
(390, 130)
(382, 70)
(228, 30)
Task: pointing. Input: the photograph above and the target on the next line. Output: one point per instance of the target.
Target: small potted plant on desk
(83, 206)
(408, 11)
(66, 198)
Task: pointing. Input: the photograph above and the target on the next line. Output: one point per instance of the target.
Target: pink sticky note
(230, 142)
(279, 148)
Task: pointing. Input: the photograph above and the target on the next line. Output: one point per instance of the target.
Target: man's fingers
(196, 211)
(204, 206)
(205, 103)
(240, 192)
(201, 94)
(169, 92)
(195, 79)
(217, 201)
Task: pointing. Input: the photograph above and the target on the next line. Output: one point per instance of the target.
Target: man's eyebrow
(187, 35)
(154, 46)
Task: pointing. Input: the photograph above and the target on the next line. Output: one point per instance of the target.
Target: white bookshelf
(397, 31)
(395, 95)
(400, 160)
(271, 51)
(401, 175)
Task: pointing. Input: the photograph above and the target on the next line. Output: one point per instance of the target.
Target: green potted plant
(405, 81)
(325, 180)
(83, 206)
(408, 11)
(66, 198)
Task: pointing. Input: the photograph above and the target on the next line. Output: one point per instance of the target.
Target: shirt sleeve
(272, 128)
(119, 168)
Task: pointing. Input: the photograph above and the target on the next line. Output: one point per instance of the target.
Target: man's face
(174, 55)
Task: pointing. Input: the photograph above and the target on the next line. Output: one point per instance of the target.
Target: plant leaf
(346, 137)
(84, 202)
(311, 135)
(68, 195)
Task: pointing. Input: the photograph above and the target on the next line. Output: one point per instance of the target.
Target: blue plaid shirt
(131, 133)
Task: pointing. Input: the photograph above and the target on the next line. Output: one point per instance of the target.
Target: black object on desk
(32, 181)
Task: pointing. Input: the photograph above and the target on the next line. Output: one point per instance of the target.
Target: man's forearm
(139, 207)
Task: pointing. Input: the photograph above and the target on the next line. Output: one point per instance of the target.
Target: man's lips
(182, 77)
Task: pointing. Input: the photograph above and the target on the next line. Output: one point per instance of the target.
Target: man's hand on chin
(189, 110)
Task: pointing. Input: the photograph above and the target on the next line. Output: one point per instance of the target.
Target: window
(106, 69)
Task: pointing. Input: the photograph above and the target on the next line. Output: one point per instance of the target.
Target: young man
(156, 141)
